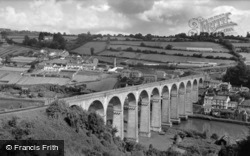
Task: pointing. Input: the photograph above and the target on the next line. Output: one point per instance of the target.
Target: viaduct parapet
(138, 110)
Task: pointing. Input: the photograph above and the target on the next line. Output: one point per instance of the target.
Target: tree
(92, 51)
(149, 37)
(248, 34)
(238, 75)
(26, 40)
(41, 36)
(169, 47)
(4, 34)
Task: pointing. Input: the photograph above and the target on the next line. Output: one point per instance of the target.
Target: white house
(221, 101)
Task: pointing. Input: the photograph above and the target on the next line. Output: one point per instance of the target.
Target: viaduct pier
(138, 110)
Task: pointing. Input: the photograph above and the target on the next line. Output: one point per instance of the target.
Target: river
(163, 142)
(233, 130)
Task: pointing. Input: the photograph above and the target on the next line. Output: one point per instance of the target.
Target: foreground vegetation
(84, 133)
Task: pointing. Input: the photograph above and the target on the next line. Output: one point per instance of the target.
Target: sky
(157, 17)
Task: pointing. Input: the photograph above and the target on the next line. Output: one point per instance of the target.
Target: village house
(221, 101)
(232, 104)
(244, 105)
(212, 83)
(225, 86)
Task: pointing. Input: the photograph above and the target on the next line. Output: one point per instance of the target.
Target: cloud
(64, 16)
(241, 17)
(160, 17)
(131, 6)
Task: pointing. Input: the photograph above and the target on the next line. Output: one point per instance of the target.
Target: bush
(41, 94)
(56, 108)
(214, 136)
(13, 122)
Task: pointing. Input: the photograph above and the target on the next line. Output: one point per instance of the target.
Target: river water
(233, 130)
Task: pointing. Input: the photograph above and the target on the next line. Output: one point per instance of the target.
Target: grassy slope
(55, 129)
(37, 125)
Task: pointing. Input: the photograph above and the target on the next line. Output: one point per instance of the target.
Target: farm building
(59, 62)
(149, 78)
(161, 74)
(199, 49)
(22, 61)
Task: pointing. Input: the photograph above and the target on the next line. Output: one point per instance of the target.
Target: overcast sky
(159, 17)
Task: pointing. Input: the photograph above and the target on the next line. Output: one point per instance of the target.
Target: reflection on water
(233, 130)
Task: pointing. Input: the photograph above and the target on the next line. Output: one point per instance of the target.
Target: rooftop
(221, 97)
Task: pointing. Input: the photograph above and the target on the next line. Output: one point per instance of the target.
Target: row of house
(217, 98)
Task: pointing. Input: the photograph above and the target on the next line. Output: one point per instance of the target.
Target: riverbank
(210, 118)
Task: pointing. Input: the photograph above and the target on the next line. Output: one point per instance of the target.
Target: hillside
(85, 133)
(78, 141)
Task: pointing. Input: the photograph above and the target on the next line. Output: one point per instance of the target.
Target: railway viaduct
(138, 110)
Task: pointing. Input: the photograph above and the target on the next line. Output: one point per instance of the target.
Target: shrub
(214, 136)
(56, 108)
(13, 122)
(41, 94)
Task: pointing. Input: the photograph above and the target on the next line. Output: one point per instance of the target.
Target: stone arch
(165, 106)
(189, 104)
(155, 109)
(144, 114)
(115, 115)
(182, 100)
(97, 107)
(174, 111)
(195, 91)
(130, 117)
(200, 82)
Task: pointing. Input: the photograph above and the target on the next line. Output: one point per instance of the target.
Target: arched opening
(130, 117)
(195, 91)
(200, 83)
(97, 107)
(114, 115)
(174, 111)
(189, 104)
(165, 107)
(155, 109)
(144, 114)
(182, 101)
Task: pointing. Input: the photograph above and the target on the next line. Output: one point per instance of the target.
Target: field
(85, 49)
(239, 45)
(13, 49)
(117, 38)
(186, 53)
(103, 84)
(88, 76)
(14, 78)
(246, 55)
(161, 58)
(42, 80)
(176, 45)
(70, 38)
(20, 37)
(8, 103)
